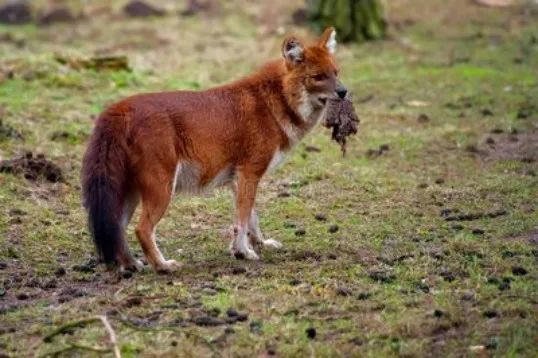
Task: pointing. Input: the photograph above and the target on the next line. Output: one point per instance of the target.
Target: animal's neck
(295, 111)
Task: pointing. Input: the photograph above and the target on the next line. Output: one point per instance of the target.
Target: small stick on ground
(81, 323)
(68, 327)
(111, 336)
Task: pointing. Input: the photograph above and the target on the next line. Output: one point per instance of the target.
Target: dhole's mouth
(323, 100)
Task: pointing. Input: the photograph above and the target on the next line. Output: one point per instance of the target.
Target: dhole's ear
(292, 50)
(328, 39)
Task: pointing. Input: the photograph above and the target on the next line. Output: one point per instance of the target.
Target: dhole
(150, 146)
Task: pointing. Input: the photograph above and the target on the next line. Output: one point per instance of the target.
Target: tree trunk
(354, 20)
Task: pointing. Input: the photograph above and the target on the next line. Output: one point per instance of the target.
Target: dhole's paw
(134, 265)
(168, 266)
(247, 254)
(273, 244)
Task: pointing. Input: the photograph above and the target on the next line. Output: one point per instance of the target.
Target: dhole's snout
(341, 91)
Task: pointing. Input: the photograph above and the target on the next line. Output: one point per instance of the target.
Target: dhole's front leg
(256, 239)
(256, 236)
(245, 195)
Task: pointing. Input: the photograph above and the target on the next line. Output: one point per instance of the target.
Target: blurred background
(420, 241)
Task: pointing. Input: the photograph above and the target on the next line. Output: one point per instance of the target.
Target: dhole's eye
(319, 77)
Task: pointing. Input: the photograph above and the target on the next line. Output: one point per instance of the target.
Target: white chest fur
(278, 158)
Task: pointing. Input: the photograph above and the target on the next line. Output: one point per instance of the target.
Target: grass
(396, 278)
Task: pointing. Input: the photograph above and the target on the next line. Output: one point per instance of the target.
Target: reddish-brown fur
(138, 143)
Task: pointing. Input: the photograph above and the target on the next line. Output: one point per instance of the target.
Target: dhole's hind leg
(124, 256)
(155, 200)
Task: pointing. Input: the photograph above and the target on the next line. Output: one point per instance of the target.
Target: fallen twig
(111, 336)
(68, 326)
(81, 323)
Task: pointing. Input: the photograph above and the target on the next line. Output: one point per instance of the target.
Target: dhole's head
(313, 68)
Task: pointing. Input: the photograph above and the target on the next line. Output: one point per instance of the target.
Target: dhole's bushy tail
(103, 187)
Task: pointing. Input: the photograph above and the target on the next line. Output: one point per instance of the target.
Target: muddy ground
(422, 241)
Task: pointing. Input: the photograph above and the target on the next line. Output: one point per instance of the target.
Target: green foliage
(354, 20)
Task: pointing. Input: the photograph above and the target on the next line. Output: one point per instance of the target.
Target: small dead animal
(343, 120)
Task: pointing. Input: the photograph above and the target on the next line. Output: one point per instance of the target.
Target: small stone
(344, 291)
(311, 333)
(519, 271)
(232, 312)
(295, 282)
(471, 148)
(312, 149)
(493, 280)
(133, 301)
(320, 217)
(524, 112)
(290, 225)
(423, 118)
(384, 147)
(446, 212)
(300, 232)
(271, 351)
(486, 112)
(208, 321)
(213, 312)
(333, 228)
(381, 276)
(15, 13)
(61, 14)
(356, 341)
(138, 8)
(448, 276)
(468, 296)
(60, 272)
(284, 194)
(300, 16)
(239, 270)
(490, 314)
